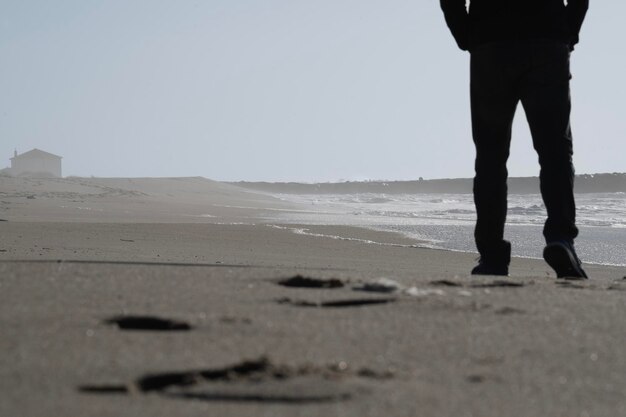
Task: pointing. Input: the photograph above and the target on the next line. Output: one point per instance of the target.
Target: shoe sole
(563, 262)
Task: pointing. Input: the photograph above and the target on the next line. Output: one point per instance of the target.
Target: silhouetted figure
(520, 52)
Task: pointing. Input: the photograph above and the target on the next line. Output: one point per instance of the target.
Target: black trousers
(537, 74)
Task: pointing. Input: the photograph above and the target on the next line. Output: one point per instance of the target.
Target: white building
(36, 163)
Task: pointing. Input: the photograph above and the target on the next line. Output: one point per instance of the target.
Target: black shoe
(561, 256)
(484, 268)
(494, 259)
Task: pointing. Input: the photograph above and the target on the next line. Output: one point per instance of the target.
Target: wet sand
(124, 307)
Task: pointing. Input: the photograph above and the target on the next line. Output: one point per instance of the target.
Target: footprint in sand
(480, 379)
(343, 303)
(499, 283)
(299, 281)
(445, 283)
(570, 284)
(617, 286)
(258, 380)
(148, 323)
(505, 311)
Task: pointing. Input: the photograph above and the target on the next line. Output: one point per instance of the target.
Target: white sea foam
(306, 232)
(607, 210)
(446, 221)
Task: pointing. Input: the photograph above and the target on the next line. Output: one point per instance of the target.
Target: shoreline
(195, 242)
(427, 244)
(448, 222)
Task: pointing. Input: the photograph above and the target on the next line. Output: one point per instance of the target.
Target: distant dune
(128, 200)
(588, 183)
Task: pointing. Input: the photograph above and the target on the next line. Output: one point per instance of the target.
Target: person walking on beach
(520, 51)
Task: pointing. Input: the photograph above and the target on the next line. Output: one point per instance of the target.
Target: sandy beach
(161, 297)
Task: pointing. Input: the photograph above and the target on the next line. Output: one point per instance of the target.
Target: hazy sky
(276, 90)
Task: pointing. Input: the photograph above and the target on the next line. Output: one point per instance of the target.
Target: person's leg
(545, 96)
(493, 103)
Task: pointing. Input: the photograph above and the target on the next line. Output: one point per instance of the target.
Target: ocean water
(446, 221)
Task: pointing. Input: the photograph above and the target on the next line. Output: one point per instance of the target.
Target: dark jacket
(504, 20)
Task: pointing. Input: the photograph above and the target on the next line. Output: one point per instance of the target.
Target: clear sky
(274, 90)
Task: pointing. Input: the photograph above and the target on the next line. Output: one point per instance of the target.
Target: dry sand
(80, 259)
